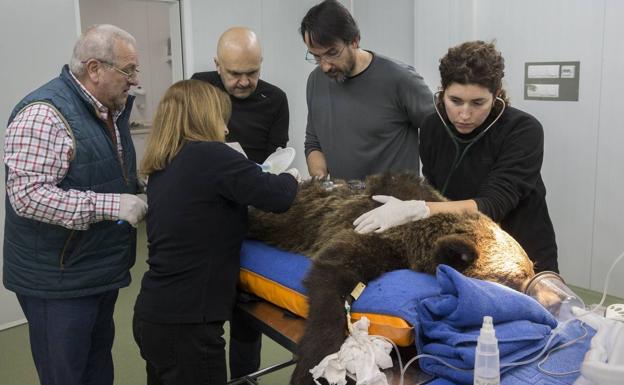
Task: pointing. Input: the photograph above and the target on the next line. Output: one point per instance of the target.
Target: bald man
(259, 119)
(259, 122)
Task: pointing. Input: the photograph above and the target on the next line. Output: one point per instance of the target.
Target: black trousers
(245, 346)
(182, 354)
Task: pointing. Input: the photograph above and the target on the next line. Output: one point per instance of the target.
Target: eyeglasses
(129, 75)
(329, 57)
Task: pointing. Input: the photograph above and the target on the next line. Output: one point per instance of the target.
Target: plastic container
(279, 161)
(487, 361)
(550, 290)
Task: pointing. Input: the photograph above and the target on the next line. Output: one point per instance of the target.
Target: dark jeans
(182, 354)
(71, 339)
(245, 346)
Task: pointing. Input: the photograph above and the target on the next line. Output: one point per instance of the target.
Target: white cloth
(361, 355)
(604, 361)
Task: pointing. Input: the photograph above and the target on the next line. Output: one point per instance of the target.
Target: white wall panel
(211, 18)
(609, 222)
(38, 36)
(387, 27)
(557, 30)
(148, 22)
(439, 25)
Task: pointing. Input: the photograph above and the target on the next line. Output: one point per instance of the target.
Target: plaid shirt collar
(101, 109)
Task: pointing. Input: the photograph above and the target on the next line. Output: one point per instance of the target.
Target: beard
(337, 76)
(342, 73)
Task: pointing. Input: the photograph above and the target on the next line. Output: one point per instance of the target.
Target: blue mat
(394, 293)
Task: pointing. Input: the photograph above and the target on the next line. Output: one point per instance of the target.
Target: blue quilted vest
(50, 261)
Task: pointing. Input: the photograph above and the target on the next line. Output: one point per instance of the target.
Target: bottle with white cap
(487, 365)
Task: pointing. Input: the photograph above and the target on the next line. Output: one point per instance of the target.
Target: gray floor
(16, 366)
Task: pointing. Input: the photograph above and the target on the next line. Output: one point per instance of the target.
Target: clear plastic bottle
(487, 364)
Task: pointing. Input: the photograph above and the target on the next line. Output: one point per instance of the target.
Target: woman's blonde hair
(190, 110)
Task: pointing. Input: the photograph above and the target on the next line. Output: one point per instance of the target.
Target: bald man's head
(238, 61)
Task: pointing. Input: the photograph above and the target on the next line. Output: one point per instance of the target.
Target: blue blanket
(566, 360)
(450, 323)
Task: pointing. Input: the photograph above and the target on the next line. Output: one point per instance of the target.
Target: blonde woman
(198, 193)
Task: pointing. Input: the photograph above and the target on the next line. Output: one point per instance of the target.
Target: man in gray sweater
(364, 109)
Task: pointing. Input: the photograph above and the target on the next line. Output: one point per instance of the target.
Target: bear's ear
(456, 250)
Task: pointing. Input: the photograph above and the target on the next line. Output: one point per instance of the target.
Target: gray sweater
(369, 123)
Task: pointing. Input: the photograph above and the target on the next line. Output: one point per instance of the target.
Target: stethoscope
(459, 156)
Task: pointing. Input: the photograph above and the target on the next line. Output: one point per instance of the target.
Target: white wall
(537, 33)
(582, 168)
(37, 39)
(387, 27)
(148, 22)
(608, 229)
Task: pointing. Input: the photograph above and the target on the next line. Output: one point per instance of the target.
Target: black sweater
(196, 222)
(259, 122)
(501, 172)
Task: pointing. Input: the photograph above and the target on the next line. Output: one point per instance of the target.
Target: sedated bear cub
(319, 225)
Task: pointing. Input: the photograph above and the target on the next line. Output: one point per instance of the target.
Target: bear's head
(479, 248)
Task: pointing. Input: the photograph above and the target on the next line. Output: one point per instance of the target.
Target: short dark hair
(329, 22)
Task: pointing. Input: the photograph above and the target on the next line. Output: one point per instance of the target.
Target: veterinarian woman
(480, 153)
(198, 192)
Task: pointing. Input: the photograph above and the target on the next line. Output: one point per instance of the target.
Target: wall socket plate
(615, 312)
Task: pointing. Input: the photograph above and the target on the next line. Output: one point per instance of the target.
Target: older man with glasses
(364, 109)
(71, 207)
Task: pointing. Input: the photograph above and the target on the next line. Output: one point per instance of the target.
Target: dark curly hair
(474, 62)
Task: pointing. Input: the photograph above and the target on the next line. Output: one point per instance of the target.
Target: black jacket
(259, 122)
(196, 222)
(501, 172)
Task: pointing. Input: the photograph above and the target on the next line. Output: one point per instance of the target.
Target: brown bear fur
(319, 225)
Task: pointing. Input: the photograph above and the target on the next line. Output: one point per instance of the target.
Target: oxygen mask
(550, 290)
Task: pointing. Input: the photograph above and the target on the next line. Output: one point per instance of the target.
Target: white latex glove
(392, 213)
(295, 173)
(132, 209)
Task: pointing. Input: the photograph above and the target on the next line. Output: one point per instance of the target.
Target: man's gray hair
(97, 42)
